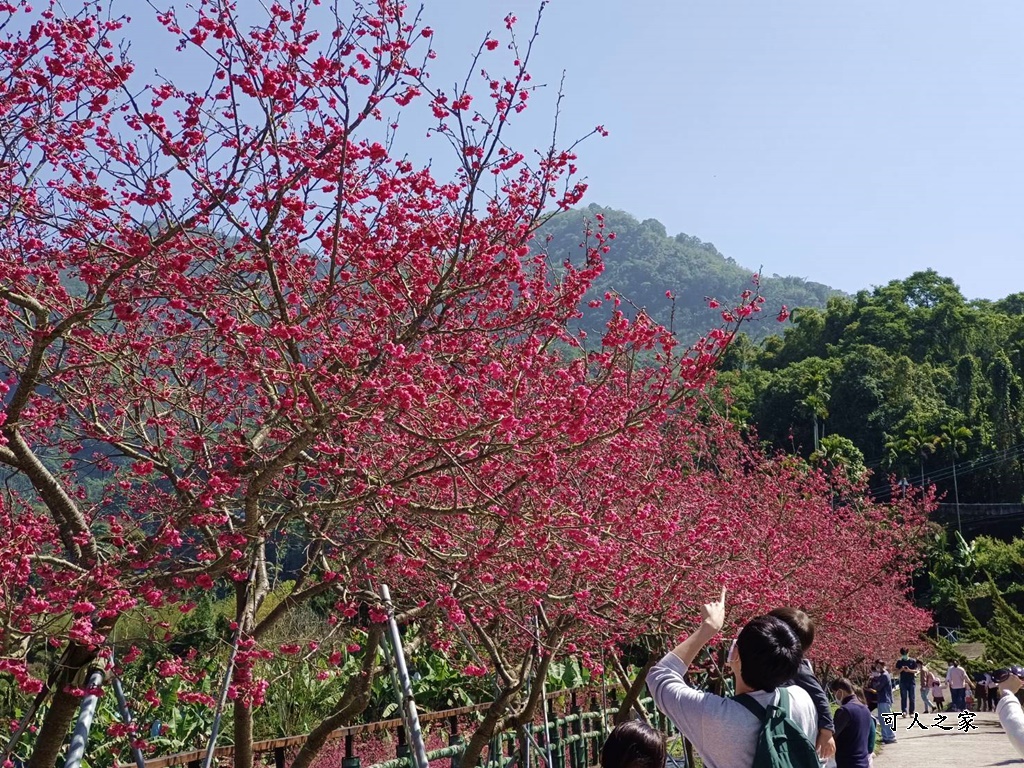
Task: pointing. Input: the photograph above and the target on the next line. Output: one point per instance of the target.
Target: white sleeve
(683, 705)
(1012, 718)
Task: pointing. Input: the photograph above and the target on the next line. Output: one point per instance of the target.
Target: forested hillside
(644, 262)
(909, 377)
(906, 379)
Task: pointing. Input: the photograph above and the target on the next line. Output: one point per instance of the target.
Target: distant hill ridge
(644, 262)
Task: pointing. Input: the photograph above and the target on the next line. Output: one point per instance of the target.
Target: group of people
(985, 688)
(781, 714)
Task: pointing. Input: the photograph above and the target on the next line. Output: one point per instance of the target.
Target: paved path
(984, 746)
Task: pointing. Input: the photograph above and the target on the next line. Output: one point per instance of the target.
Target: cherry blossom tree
(616, 557)
(234, 311)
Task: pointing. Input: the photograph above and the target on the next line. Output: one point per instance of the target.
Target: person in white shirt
(767, 655)
(1009, 711)
(958, 681)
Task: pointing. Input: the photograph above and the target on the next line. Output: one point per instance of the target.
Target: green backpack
(781, 743)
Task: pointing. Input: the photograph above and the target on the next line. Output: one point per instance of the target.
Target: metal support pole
(126, 718)
(526, 734)
(222, 700)
(404, 686)
(80, 736)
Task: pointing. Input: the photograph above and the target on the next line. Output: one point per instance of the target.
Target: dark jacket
(853, 732)
(805, 679)
(883, 687)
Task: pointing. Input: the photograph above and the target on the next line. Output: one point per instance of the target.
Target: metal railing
(574, 738)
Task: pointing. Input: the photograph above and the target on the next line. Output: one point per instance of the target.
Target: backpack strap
(751, 705)
(757, 710)
(783, 700)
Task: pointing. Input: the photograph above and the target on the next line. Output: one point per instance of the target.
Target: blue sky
(847, 143)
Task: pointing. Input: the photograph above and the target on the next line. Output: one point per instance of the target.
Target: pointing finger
(722, 598)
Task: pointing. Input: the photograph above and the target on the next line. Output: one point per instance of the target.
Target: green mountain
(644, 262)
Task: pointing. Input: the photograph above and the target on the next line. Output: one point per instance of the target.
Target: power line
(969, 467)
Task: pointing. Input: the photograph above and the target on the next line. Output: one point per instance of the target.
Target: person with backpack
(855, 728)
(767, 724)
(870, 696)
(803, 627)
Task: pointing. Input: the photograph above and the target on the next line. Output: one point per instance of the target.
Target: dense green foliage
(913, 375)
(978, 586)
(643, 262)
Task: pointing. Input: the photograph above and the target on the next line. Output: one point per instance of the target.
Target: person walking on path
(881, 684)
(955, 742)
(956, 676)
(938, 694)
(981, 681)
(854, 727)
(907, 667)
(926, 688)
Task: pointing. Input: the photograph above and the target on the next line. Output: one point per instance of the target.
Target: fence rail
(567, 736)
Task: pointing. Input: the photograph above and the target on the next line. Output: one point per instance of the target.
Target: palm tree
(920, 441)
(916, 441)
(817, 403)
(955, 438)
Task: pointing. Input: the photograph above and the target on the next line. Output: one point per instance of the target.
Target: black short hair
(633, 744)
(799, 622)
(770, 653)
(903, 650)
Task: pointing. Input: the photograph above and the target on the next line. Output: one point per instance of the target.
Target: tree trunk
(353, 702)
(63, 707)
(248, 598)
(486, 729)
(243, 734)
(633, 692)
